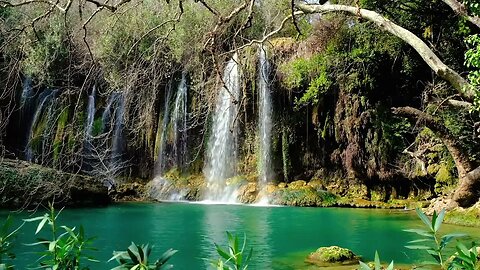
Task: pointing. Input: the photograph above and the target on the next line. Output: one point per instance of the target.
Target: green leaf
(221, 252)
(364, 266)
(439, 220)
(419, 247)
(421, 232)
(377, 261)
(41, 224)
(424, 218)
(35, 218)
(448, 238)
(419, 241)
(390, 266)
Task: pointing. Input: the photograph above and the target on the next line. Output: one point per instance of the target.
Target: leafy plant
(233, 256)
(465, 258)
(66, 248)
(432, 242)
(6, 243)
(137, 258)
(377, 264)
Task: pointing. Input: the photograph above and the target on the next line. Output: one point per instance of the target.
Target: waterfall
(48, 135)
(118, 147)
(42, 100)
(107, 113)
(179, 119)
(265, 120)
(222, 145)
(162, 153)
(27, 92)
(163, 188)
(90, 114)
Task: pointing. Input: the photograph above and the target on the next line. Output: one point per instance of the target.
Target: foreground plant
(432, 242)
(233, 257)
(137, 258)
(7, 236)
(377, 264)
(66, 248)
(465, 258)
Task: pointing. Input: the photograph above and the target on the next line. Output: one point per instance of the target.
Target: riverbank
(29, 185)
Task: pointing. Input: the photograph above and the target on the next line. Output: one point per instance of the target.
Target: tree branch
(462, 161)
(461, 10)
(458, 82)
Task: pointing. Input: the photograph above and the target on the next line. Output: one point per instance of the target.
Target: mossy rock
(29, 185)
(464, 216)
(325, 256)
(302, 196)
(297, 184)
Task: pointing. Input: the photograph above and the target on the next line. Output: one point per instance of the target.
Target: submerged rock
(27, 185)
(325, 256)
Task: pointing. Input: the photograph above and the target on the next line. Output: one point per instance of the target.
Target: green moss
(333, 254)
(303, 195)
(464, 217)
(97, 126)
(285, 154)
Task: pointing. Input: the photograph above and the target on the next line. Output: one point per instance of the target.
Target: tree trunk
(466, 193)
(458, 82)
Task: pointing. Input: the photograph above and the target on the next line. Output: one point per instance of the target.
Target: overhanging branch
(431, 59)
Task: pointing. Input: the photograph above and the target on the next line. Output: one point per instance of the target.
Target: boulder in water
(325, 256)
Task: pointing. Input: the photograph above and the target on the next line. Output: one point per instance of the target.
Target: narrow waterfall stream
(118, 146)
(264, 122)
(222, 145)
(179, 121)
(90, 115)
(176, 157)
(162, 154)
(41, 104)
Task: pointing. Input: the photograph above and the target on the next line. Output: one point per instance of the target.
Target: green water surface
(280, 236)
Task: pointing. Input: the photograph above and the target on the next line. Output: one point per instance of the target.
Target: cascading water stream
(42, 100)
(162, 154)
(107, 114)
(118, 139)
(179, 119)
(90, 115)
(27, 92)
(264, 122)
(222, 145)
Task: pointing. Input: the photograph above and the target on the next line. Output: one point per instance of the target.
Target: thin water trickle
(42, 101)
(90, 114)
(118, 139)
(176, 158)
(162, 153)
(264, 122)
(179, 119)
(27, 92)
(222, 145)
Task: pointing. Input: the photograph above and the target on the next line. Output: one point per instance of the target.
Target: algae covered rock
(332, 255)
